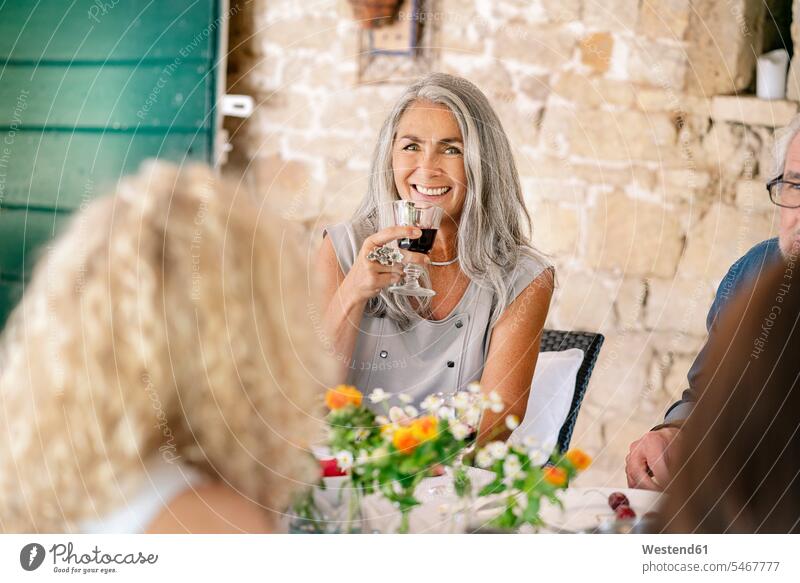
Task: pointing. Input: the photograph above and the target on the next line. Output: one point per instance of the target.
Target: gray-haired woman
(441, 143)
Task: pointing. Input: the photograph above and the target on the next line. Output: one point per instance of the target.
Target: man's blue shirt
(745, 270)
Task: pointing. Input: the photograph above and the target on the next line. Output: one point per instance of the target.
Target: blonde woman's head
(168, 320)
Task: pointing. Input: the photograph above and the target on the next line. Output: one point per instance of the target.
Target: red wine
(421, 245)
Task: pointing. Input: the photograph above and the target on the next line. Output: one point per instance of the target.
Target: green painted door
(88, 90)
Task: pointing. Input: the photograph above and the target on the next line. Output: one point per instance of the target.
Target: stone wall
(644, 176)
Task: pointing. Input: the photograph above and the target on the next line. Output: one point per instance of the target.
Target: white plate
(586, 508)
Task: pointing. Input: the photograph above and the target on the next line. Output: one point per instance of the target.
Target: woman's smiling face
(428, 158)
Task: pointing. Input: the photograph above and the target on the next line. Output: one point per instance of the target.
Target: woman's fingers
(390, 234)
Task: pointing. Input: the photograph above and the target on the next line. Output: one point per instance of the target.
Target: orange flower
(341, 396)
(555, 476)
(425, 428)
(579, 458)
(404, 440)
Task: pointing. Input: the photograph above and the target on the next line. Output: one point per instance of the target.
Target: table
(585, 508)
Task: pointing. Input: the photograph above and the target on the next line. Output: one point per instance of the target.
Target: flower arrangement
(524, 475)
(392, 453)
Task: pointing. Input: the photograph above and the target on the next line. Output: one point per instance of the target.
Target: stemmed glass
(428, 217)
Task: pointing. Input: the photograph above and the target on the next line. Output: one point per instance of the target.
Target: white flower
(379, 453)
(398, 416)
(484, 459)
(410, 410)
(474, 388)
(512, 468)
(361, 459)
(538, 456)
(403, 398)
(344, 459)
(512, 422)
(361, 434)
(446, 413)
(398, 489)
(472, 416)
(382, 420)
(549, 445)
(517, 510)
(378, 396)
(497, 449)
(460, 431)
(495, 402)
(530, 441)
(431, 403)
(462, 401)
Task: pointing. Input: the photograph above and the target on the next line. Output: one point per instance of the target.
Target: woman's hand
(367, 278)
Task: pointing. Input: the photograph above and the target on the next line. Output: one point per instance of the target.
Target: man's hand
(647, 463)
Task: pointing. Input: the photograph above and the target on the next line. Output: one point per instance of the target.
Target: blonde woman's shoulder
(211, 508)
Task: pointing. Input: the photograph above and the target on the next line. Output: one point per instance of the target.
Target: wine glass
(426, 216)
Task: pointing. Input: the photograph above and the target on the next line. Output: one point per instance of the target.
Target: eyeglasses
(784, 193)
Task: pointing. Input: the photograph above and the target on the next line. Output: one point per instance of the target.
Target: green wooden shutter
(88, 90)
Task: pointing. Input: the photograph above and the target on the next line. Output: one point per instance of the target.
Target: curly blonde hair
(168, 318)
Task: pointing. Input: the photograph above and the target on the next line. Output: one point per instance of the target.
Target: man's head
(787, 162)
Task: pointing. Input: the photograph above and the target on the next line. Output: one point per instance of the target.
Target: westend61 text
(675, 550)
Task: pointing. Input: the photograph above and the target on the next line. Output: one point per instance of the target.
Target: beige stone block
(519, 123)
(593, 91)
(750, 110)
(629, 303)
(634, 237)
(664, 18)
(611, 15)
(753, 195)
(559, 11)
(583, 301)
(678, 305)
(544, 166)
(723, 40)
(545, 47)
(556, 128)
(732, 149)
(596, 50)
(623, 135)
(660, 99)
(719, 238)
(598, 173)
(657, 64)
(556, 228)
(620, 375)
(495, 81)
(289, 108)
(536, 87)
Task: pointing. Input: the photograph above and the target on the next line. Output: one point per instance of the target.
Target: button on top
(459, 323)
(383, 354)
(450, 364)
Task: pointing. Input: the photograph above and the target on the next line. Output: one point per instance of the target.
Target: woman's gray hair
(780, 145)
(495, 227)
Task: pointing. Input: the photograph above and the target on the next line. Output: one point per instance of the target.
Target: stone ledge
(751, 110)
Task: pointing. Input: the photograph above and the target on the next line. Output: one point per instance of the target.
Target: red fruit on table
(618, 499)
(625, 512)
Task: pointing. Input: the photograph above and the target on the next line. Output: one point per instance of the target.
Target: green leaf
(495, 487)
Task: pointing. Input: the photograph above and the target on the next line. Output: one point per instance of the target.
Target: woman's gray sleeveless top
(433, 355)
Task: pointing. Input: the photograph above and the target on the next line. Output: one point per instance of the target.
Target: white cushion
(551, 394)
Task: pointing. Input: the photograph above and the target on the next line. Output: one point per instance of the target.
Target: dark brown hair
(738, 468)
